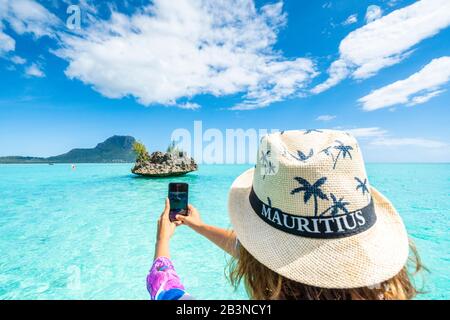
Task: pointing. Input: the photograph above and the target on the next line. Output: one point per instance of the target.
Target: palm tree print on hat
(344, 150)
(269, 167)
(362, 185)
(265, 157)
(338, 205)
(328, 152)
(303, 157)
(269, 202)
(308, 131)
(311, 190)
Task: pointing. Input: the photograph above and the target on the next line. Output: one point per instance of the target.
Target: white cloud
(18, 60)
(417, 142)
(373, 13)
(425, 97)
(28, 16)
(34, 70)
(7, 43)
(86, 5)
(378, 137)
(189, 106)
(179, 49)
(393, 3)
(24, 16)
(386, 41)
(370, 132)
(278, 80)
(325, 117)
(418, 88)
(337, 72)
(327, 5)
(351, 20)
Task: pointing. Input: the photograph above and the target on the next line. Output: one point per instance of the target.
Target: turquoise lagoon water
(89, 233)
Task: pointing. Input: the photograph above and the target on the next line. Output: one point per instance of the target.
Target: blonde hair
(262, 283)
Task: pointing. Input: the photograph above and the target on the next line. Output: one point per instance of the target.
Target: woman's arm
(163, 282)
(166, 229)
(223, 238)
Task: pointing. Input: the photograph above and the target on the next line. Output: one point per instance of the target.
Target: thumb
(180, 217)
(167, 207)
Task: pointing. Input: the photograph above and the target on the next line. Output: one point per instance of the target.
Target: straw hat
(307, 212)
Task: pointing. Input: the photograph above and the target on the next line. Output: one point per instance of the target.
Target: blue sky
(380, 69)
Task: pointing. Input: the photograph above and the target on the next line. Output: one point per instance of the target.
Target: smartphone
(178, 197)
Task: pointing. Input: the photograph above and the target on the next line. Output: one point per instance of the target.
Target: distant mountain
(117, 149)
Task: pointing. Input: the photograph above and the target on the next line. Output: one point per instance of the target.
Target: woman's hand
(192, 220)
(166, 228)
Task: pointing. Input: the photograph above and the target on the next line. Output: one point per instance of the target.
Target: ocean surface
(89, 233)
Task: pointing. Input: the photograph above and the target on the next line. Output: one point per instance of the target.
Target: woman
(306, 225)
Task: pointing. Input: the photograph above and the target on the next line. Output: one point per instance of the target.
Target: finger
(180, 218)
(178, 223)
(166, 208)
(191, 208)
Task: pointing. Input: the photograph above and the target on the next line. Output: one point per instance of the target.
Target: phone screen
(178, 197)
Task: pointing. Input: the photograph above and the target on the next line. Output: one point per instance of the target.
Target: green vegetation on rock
(141, 151)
